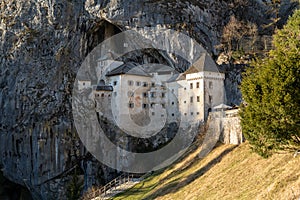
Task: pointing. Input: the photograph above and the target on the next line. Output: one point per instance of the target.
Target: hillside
(228, 172)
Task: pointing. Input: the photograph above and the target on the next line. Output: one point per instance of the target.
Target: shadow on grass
(175, 185)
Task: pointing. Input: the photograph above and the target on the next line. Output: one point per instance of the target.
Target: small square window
(198, 98)
(185, 114)
(138, 83)
(145, 106)
(197, 113)
(184, 102)
(192, 113)
(153, 84)
(125, 44)
(163, 105)
(173, 114)
(130, 83)
(131, 105)
(115, 83)
(163, 95)
(152, 105)
(153, 113)
(145, 84)
(172, 102)
(102, 95)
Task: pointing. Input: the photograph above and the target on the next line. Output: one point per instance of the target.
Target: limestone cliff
(43, 43)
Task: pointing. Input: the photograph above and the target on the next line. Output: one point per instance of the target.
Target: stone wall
(231, 131)
(227, 125)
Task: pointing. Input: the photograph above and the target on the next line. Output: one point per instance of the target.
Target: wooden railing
(102, 191)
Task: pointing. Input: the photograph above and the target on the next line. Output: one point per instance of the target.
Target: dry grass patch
(228, 172)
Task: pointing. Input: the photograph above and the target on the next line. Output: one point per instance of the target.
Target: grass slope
(228, 172)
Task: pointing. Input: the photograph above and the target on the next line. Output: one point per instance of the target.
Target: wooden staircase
(117, 185)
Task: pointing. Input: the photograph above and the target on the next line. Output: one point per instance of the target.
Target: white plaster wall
(109, 65)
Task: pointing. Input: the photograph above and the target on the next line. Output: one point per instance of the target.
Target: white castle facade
(151, 96)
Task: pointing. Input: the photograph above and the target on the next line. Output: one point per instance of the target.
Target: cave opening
(100, 32)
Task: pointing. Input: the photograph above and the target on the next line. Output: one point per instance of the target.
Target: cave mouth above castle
(101, 31)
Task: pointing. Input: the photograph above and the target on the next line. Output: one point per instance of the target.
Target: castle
(155, 94)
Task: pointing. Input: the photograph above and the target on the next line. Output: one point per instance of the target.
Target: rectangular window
(145, 94)
(152, 105)
(210, 99)
(145, 84)
(153, 113)
(191, 99)
(173, 114)
(163, 105)
(130, 83)
(192, 113)
(172, 102)
(191, 85)
(115, 83)
(197, 85)
(210, 84)
(197, 113)
(153, 84)
(131, 105)
(138, 83)
(198, 98)
(145, 106)
(153, 94)
(163, 95)
(115, 94)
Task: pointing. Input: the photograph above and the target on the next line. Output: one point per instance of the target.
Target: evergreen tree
(270, 88)
(75, 187)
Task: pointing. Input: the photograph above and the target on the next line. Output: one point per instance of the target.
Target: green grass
(228, 172)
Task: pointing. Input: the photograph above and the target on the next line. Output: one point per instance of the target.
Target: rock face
(43, 43)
